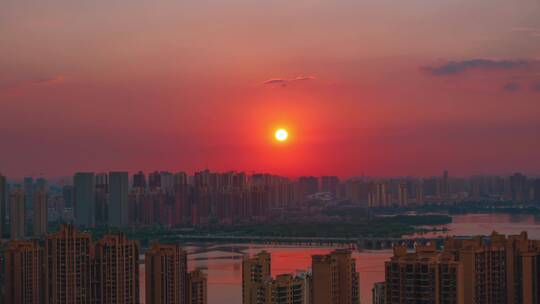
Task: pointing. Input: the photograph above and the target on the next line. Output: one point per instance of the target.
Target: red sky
(364, 87)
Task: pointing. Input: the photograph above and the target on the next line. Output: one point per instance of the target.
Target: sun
(281, 135)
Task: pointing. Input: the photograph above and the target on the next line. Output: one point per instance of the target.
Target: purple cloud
(285, 81)
(457, 67)
(50, 80)
(20, 84)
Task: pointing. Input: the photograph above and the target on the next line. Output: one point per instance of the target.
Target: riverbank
(342, 231)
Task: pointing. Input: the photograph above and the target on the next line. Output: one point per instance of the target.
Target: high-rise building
(167, 181)
(154, 180)
(68, 266)
(517, 188)
(166, 274)
(197, 287)
(378, 293)
(308, 185)
(255, 270)
(24, 280)
(3, 202)
(536, 187)
(425, 276)
(102, 181)
(85, 193)
(40, 211)
(523, 264)
(498, 269)
(28, 186)
(335, 280)
(68, 193)
(116, 271)
(258, 286)
(419, 193)
(182, 210)
(284, 289)
(118, 203)
(330, 184)
(478, 270)
(379, 197)
(485, 269)
(17, 214)
(444, 186)
(41, 184)
(101, 205)
(403, 195)
(139, 180)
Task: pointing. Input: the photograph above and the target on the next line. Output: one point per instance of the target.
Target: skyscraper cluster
(333, 280)
(407, 191)
(177, 199)
(168, 199)
(494, 269)
(26, 208)
(70, 268)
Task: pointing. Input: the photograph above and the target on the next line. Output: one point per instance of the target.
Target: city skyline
(68, 179)
(361, 86)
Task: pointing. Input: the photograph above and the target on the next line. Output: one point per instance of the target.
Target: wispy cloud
(286, 81)
(50, 80)
(458, 67)
(20, 85)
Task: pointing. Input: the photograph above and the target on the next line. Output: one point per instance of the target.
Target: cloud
(50, 80)
(458, 67)
(536, 87)
(512, 87)
(21, 85)
(285, 81)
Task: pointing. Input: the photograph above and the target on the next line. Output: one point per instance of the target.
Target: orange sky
(364, 87)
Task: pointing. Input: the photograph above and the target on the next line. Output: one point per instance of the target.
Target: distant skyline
(383, 88)
(68, 179)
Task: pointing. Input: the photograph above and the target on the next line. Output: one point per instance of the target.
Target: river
(223, 262)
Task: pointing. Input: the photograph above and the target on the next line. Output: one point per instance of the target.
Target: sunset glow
(365, 78)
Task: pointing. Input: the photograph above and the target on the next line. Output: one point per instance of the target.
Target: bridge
(367, 243)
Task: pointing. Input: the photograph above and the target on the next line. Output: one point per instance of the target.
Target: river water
(223, 262)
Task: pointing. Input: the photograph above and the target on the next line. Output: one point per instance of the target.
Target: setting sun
(281, 134)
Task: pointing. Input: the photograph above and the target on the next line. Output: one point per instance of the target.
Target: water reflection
(484, 224)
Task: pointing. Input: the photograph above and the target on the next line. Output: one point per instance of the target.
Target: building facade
(284, 289)
(3, 204)
(118, 202)
(255, 270)
(334, 279)
(17, 214)
(378, 293)
(166, 274)
(24, 279)
(85, 192)
(498, 269)
(115, 271)
(40, 213)
(425, 276)
(68, 272)
(197, 287)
